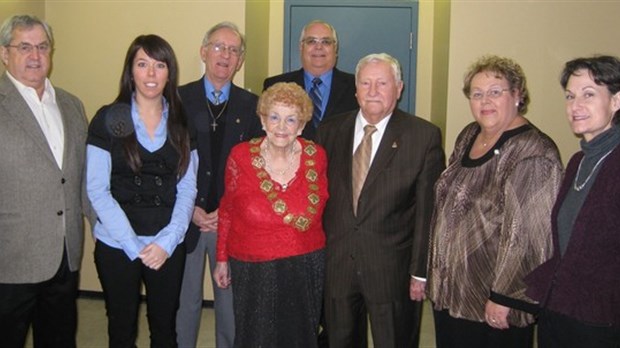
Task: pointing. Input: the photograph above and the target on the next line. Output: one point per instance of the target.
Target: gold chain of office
(300, 222)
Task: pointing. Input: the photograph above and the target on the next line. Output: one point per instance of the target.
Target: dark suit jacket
(41, 205)
(341, 97)
(242, 124)
(388, 240)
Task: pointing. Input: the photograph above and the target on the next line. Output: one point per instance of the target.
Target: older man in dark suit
(383, 164)
(224, 115)
(332, 91)
(43, 141)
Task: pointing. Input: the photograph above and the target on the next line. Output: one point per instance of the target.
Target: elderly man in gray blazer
(43, 141)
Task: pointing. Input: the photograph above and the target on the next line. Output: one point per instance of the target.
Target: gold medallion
(279, 207)
(302, 223)
(312, 175)
(310, 150)
(266, 185)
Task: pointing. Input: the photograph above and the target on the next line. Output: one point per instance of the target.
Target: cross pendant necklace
(215, 118)
(214, 125)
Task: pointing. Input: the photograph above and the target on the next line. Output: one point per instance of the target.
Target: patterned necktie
(317, 101)
(216, 97)
(361, 163)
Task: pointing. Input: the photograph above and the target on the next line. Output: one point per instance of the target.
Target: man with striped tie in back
(332, 91)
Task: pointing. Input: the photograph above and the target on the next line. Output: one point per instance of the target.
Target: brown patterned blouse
(491, 224)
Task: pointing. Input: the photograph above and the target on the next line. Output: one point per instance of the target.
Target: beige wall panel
(257, 44)
(276, 37)
(424, 68)
(541, 36)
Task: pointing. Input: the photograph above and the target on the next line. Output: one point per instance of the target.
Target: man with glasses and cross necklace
(223, 115)
(332, 91)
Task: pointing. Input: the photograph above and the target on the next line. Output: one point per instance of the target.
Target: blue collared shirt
(325, 87)
(209, 90)
(113, 227)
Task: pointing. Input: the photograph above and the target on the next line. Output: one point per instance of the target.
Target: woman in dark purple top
(579, 288)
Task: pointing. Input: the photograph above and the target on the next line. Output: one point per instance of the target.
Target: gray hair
(224, 25)
(380, 57)
(23, 22)
(318, 21)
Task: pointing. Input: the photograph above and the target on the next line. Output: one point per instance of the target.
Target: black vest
(147, 198)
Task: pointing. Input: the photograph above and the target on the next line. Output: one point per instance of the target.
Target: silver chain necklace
(580, 187)
(215, 118)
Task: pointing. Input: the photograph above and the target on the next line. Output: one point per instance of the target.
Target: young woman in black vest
(141, 181)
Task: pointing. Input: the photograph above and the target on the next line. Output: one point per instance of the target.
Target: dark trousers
(394, 324)
(453, 332)
(121, 279)
(559, 331)
(49, 306)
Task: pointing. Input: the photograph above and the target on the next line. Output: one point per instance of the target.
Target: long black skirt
(278, 303)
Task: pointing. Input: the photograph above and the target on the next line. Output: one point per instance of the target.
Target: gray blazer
(40, 204)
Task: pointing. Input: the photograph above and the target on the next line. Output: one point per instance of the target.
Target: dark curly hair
(604, 71)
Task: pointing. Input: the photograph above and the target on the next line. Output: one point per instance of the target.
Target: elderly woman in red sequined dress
(270, 235)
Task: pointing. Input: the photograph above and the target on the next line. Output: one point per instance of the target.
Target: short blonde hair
(502, 67)
(289, 94)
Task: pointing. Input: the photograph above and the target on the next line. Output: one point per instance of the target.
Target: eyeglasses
(315, 41)
(26, 48)
(221, 48)
(289, 121)
(492, 93)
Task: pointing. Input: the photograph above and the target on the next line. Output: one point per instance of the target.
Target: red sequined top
(258, 220)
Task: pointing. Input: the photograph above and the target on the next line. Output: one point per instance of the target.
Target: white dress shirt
(47, 114)
(360, 123)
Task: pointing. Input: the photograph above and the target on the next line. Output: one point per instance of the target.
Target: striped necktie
(216, 97)
(361, 163)
(317, 101)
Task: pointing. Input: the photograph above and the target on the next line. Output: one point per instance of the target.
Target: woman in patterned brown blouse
(491, 224)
